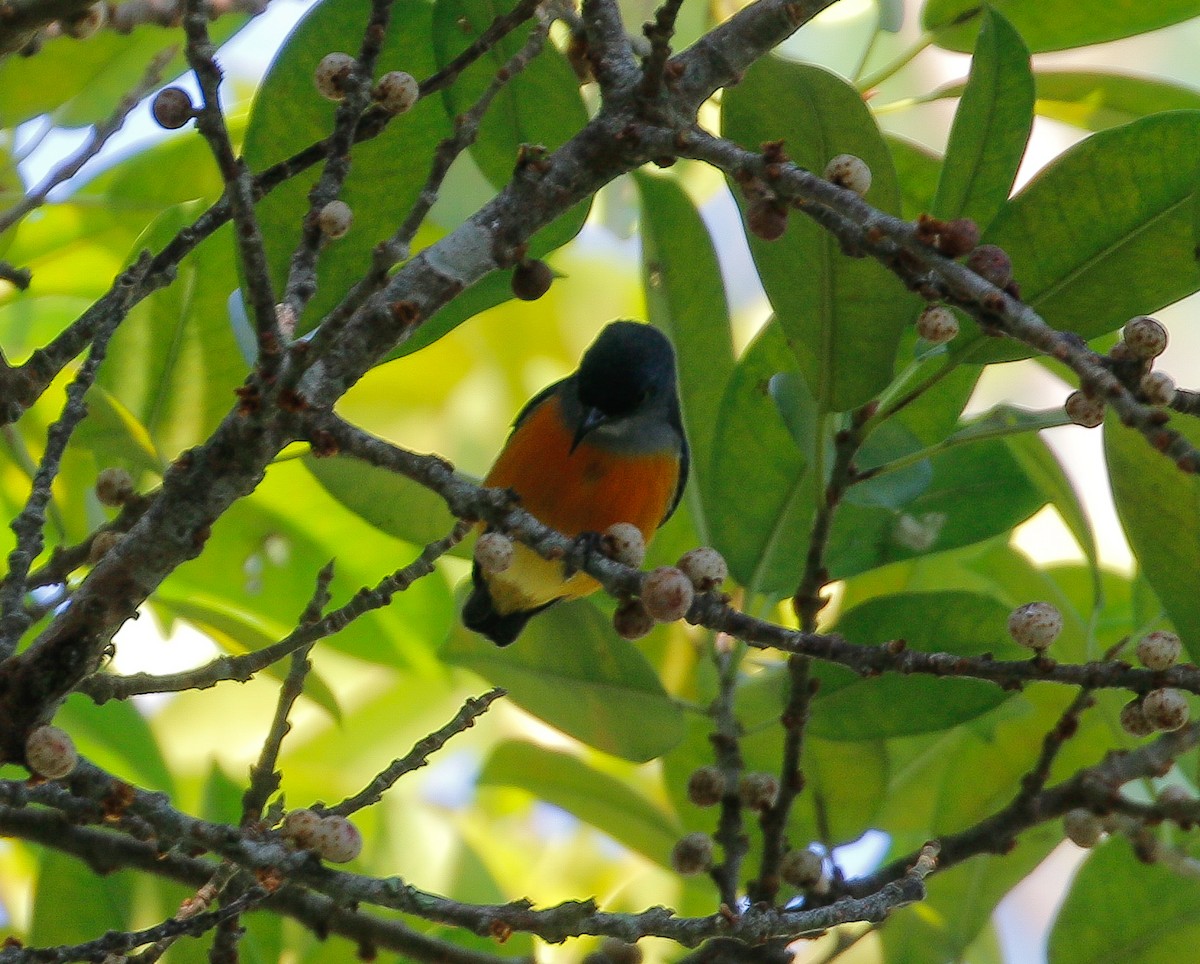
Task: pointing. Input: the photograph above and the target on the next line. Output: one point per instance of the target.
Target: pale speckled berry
(1165, 709)
(494, 552)
(631, 621)
(623, 542)
(1082, 827)
(758, 790)
(333, 75)
(1145, 336)
(114, 486)
(705, 567)
(802, 868)
(706, 786)
(1158, 388)
(50, 752)
(335, 219)
(397, 92)
(850, 172)
(692, 854)
(1035, 625)
(337, 840)
(1159, 649)
(937, 325)
(300, 826)
(667, 594)
(1133, 719)
(1085, 411)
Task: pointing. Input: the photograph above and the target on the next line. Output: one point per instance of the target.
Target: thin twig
(726, 742)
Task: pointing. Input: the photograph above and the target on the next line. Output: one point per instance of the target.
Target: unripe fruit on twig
(300, 826)
(396, 92)
(631, 621)
(767, 219)
(332, 75)
(1035, 625)
(937, 325)
(1088, 412)
(692, 854)
(102, 544)
(618, 952)
(1144, 336)
(850, 172)
(958, 237)
(114, 487)
(531, 279)
(705, 567)
(172, 108)
(706, 786)
(991, 263)
(667, 594)
(50, 752)
(1165, 709)
(758, 790)
(335, 219)
(337, 840)
(1082, 827)
(494, 552)
(1133, 719)
(1159, 650)
(623, 542)
(1158, 387)
(802, 868)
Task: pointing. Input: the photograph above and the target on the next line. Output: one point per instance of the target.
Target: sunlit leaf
(1095, 100)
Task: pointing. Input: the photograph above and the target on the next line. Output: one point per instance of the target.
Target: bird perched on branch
(602, 446)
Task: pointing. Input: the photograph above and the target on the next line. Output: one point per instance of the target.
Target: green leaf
(539, 106)
(1095, 100)
(843, 316)
(117, 737)
(686, 299)
(918, 170)
(759, 520)
(390, 502)
(594, 797)
(991, 126)
(571, 669)
(1120, 909)
(1159, 507)
(73, 904)
(221, 800)
(387, 172)
(115, 436)
(956, 622)
(1053, 24)
(1102, 234)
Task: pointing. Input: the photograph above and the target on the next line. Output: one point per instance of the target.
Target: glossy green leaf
(955, 622)
(116, 737)
(1121, 909)
(843, 316)
(389, 502)
(539, 106)
(594, 797)
(114, 435)
(73, 904)
(686, 299)
(571, 669)
(1053, 24)
(1104, 233)
(1095, 100)
(918, 170)
(991, 126)
(760, 519)
(386, 173)
(1159, 507)
(892, 490)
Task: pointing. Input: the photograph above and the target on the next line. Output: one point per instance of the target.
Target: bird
(604, 445)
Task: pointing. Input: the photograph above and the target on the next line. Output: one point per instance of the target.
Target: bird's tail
(479, 614)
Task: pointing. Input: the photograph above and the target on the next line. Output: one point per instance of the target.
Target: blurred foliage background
(574, 786)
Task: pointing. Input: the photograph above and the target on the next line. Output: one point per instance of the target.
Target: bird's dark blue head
(629, 366)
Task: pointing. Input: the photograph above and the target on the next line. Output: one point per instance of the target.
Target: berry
(337, 840)
(758, 790)
(335, 219)
(1165, 709)
(494, 552)
(1082, 827)
(767, 219)
(992, 264)
(849, 171)
(692, 854)
(1036, 625)
(623, 542)
(631, 621)
(332, 75)
(396, 92)
(1159, 650)
(114, 487)
(301, 826)
(706, 786)
(705, 567)
(1082, 410)
(50, 752)
(802, 868)
(667, 594)
(1158, 388)
(618, 952)
(102, 544)
(958, 237)
(1133, 719)
(531, 279)
(937, 325)
(1145, 336)
(172, 108)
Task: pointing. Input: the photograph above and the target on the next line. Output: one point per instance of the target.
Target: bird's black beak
(593, 418)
